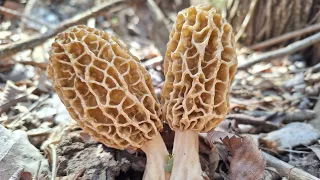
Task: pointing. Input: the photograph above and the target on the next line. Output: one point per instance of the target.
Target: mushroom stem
(186, 163)
(157, 156)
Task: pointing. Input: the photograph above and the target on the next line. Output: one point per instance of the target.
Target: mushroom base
(157, 156)
(186, 163)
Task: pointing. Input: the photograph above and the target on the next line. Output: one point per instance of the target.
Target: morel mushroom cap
(104, 87)
(199, 68)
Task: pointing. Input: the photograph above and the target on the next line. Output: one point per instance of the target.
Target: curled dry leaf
(26, 176)
(11, 95)
(247, 160)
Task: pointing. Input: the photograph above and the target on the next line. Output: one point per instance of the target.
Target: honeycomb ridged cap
(104, 87)
(199, 68)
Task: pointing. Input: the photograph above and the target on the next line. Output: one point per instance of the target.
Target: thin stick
(246, 20)
(159, 28)
(30, 18)
(234, 8)
(78, 174)
(314, 18)
(22, 116)
(37, 172)
(256, 121)
(287, 36)
(54, 161)
(13, 48)
(30, 4)
(287, 170)
(291, 48)
(315, 68)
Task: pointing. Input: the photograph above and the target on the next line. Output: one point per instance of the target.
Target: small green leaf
(114, 20)
(169, 163)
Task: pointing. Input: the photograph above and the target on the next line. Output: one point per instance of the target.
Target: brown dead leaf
(7, 63)
(26, 176)
(11, 95)
(247, 160)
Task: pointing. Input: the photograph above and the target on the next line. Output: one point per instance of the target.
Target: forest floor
(272, 130)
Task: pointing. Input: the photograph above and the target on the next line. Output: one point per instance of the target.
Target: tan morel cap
(199, 67)
(104, 87)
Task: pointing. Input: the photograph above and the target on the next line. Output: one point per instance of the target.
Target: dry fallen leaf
(247, 160)
(26, 176)
(316, 149)
(11, 95)
(6, 64)
(17, 152)
(218, 136)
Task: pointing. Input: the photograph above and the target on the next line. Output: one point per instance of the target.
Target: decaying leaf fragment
(11, 95)
(247, 161)
(17, 152)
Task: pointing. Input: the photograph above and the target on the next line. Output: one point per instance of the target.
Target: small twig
(246, 20)
(26, 12)
(299, 116)
(158, 30)
(160, 27)
(78, 174)
(315, 68)
(153, 62)
(287, 170)
(44, 132)
(40, 65)
(287, 36)
(30, 18)
(37, 172)
(54, 161)
(291, 48)
(234, 7)
(314, 18)
(294, 151)
(23, 115)
(256, 121)
(13, 48)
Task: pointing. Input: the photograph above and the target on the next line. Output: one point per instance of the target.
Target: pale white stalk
(186, 163)
(157, 156)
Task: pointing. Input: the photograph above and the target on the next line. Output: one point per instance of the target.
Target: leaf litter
(271, 107)
(16, 152)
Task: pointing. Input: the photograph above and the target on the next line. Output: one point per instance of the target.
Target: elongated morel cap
(104, 87)
(200, 65)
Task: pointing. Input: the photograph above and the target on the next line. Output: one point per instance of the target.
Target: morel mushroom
(110, 95)
(199, 68)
